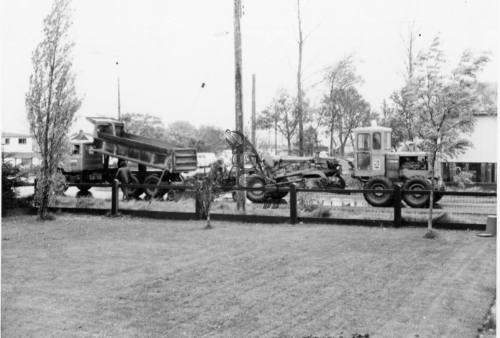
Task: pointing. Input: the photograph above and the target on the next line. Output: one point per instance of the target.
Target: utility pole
(253, 110)
(118, 85)
(240, 204)
(300, 112)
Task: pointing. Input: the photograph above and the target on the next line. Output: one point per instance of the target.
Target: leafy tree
(181, 134)
(266, 120)
(487, 97)
(287, 113)
(445, 104)
(144, 125)
(51, 100)
(347, 111)
(312, 130)
(311, 140)
(211, 139)
(341, 78)
(281, 114)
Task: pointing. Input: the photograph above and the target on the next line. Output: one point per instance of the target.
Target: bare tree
(403, 114)
(51, 100)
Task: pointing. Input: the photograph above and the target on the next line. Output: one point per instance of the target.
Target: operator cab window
(363, 142)
(377, 140)
(387, 140)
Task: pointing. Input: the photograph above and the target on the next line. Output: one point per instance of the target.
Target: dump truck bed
(111, 140)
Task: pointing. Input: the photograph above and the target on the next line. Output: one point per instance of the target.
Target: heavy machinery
(156, 161)
(272, 171)
(380, 169)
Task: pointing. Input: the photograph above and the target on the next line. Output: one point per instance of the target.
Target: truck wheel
(379, 199)
(134, 192)
(279, 195)
(153, 192)
(416, 199)
(256, 196)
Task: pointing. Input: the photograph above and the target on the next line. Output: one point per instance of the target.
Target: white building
(480, 159)
(19, 149)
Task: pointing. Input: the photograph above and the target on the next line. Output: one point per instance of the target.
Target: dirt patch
(94, 276)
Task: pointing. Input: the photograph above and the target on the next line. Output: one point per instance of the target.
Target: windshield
(377, 141)
(363, 142)
(388, 140)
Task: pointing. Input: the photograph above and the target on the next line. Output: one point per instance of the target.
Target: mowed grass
(82, 276)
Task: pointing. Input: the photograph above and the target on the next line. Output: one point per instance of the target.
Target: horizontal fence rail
(455, 200)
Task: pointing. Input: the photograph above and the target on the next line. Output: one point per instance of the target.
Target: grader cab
(379, 168)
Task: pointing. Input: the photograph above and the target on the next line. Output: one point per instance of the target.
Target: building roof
(10, 134)
(371, 129)
(20, 155)
(81, 137)
(104, 121)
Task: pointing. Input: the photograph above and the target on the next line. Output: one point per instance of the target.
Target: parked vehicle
(379, 169)
(156, 161)
(282, 171)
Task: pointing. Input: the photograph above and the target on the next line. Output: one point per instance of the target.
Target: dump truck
(380, 168)
(157, 162)
(276, 171)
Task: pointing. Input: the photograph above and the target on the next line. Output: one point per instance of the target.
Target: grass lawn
(82, 276)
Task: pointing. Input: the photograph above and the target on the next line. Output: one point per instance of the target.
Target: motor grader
(379, 168)
(274, 171)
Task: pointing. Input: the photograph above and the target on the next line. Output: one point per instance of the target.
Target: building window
(22, 141)
(7, 141)
(76, 149)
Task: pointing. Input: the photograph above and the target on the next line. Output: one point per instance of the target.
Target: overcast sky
(167, 49)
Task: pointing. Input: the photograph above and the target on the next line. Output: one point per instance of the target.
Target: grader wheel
(256, 196)
(379, 199)
(416, 199)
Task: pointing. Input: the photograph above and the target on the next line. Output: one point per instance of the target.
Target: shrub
(463, 178)
(9, 178)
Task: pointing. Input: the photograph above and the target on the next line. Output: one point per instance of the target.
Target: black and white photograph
(249, 168)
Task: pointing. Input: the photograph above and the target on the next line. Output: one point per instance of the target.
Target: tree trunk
(431, 197)
(341, 134)
(275, 136)
(331, 139)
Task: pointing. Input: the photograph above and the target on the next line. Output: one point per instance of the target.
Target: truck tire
(134, 192)
(153, 192)
(417, 200)
(280, 194)
(379, 199)
(256, 196)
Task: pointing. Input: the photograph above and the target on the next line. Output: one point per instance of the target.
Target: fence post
(397, 206)
(197, 203)
(293, 204)
(114, 197)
